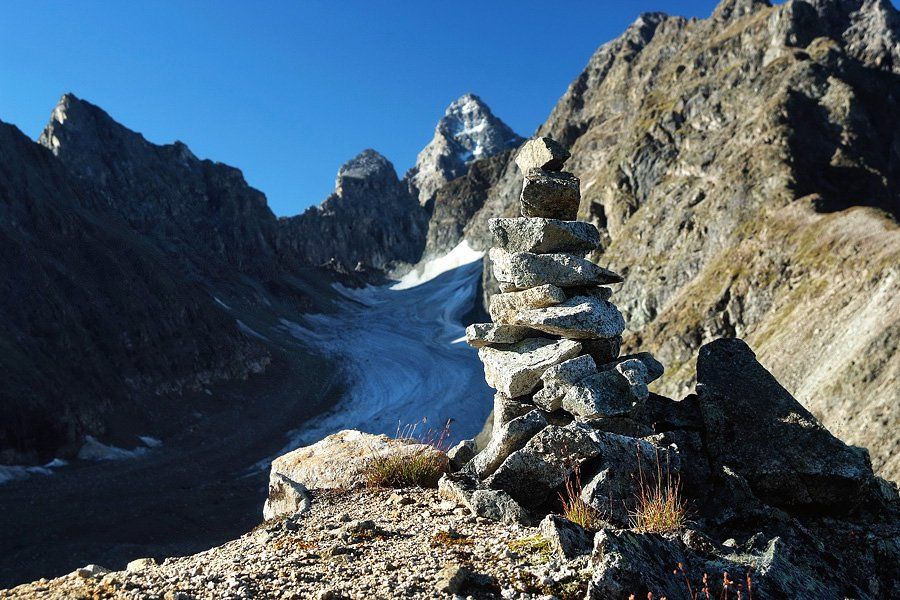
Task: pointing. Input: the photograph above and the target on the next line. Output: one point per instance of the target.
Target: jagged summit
(77, 122)
(369, 222)
(367, 166)
(467, 132)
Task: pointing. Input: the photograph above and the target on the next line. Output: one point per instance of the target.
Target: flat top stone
(517, 369)
(541, 153)
(580, 317)
(544, 236)
(502, 307)
(524, 270)
(482, 334)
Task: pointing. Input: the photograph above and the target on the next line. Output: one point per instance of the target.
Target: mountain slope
(744, 172)
(92, 316)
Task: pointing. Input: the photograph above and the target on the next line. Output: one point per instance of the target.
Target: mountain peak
(369, 169)
(365, 164)
(467, 132)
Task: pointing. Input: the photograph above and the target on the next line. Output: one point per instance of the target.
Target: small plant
(575, 508)
(659, 506)
(444, 538)
(421, 467)
(535, 544)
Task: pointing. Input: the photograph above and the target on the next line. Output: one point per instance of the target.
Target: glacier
(401, 353)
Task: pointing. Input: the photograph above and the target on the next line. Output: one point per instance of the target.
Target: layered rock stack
(552, 354)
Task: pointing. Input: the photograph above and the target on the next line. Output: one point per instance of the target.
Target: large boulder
(544, 236)
(754, 426)
(522, 270)
(625, 562)
(517, 369)
(338, 461)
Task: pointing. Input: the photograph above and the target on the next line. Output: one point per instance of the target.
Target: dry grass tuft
(422, 469)
(659, 506)
(577, 510)
(414, 469)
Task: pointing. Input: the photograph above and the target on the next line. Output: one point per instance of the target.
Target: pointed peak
(467, 101)
(69, 104)
(467, 132)
(365, 164)
(368, 165)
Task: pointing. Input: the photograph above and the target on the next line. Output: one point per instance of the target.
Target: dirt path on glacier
(399, 359)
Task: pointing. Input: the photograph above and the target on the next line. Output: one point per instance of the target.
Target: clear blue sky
(288, 91)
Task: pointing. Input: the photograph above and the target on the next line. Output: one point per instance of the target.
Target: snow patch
(93, 449)
(13, 472)
(150, 442)
(463, 254)
(221, 303)
(246, 329)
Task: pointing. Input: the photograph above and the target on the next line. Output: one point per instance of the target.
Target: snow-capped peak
(467, 132)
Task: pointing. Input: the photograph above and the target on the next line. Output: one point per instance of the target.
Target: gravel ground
(358, 544)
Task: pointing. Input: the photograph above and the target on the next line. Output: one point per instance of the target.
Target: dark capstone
(604, 350)
(550, 195)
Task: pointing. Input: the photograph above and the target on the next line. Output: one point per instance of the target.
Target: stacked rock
(552, 351)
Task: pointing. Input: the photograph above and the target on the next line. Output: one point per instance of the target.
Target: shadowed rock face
(369, 222)
(744, 173)
(92, 314)
(756, 428)
(203, 213)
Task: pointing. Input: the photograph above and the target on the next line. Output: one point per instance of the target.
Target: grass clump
(422, 468)
(659, 506)
(445, 538)
(575, 509)
(419, 468)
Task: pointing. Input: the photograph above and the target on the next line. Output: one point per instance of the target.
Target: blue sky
(288, 91)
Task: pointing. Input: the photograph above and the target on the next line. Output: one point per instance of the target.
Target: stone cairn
(552, 354)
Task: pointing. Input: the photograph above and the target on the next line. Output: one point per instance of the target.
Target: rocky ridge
(94, 317)
(742, 172)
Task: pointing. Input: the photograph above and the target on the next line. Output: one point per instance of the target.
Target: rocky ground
(368, 543)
